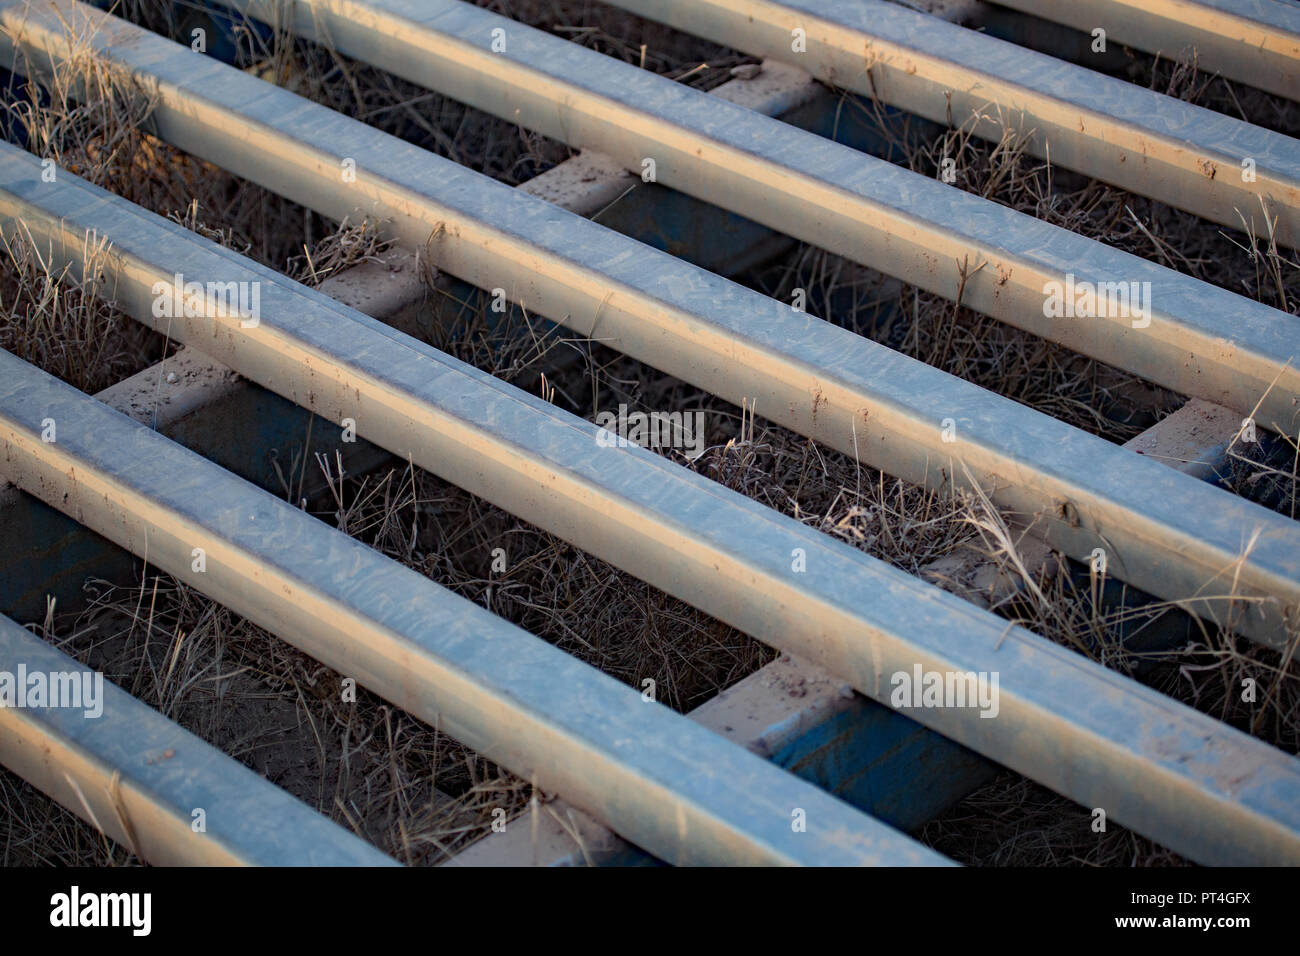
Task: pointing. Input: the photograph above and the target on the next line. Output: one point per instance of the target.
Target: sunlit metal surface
(858, 397)
(657, 778)
(149, 784)
(1062, 719)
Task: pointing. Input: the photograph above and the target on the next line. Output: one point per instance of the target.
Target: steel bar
(661, 781)
(865, 753)
(1205, 162)
(1256, 42)
(799, 371)
(800, 718)
(1104, 741)
(1202, 341)
(228, 420)
(202, 407)
(147, 783)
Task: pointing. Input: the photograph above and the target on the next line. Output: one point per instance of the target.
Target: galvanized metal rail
(662, 781)
(800, 718)
(1216, 554)
(1063, 720)
(1202, 341)
(304, 356)
(144, 781)
(877, 759)
(1256, 42)
(1195, 159)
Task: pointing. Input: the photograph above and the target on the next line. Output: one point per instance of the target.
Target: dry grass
(411, 790)
(581, 604)
(52, 317)
(616, 33)
(348, 246)
(91, 119)
(1013, 821)
(90, 124)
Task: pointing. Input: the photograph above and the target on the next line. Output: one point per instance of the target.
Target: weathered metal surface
(249, 431)
(652, 775)
(241, 426)
(1063, 720)
(801, 718)
(1194, 440)
(1191, 336)
(813, 725)
(1161, 531)
(1256, 42)
(238, 425)
(143, 780)
(1196, 159)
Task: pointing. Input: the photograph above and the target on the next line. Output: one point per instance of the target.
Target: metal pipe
(854, 395)
(654, 776)
(1061, 719)
(1201, 341)
(1256, 42)
(1195, 159)
(137, 777)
